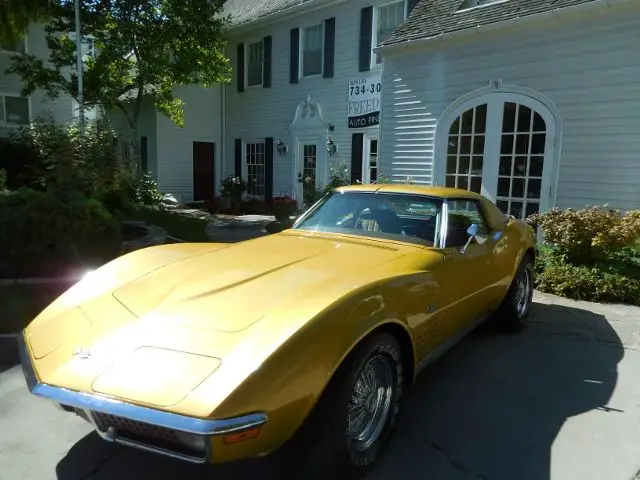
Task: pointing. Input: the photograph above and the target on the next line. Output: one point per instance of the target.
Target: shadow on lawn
(491, 408)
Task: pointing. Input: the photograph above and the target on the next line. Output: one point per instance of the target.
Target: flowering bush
(283, 208)
(233, 187)
(590, 234)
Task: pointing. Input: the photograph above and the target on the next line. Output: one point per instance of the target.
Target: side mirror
(472, 231)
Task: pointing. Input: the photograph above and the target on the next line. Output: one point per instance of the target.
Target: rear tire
(352, 423)
(512, 313)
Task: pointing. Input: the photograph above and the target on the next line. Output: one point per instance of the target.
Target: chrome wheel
(524, 291)
(370, 403)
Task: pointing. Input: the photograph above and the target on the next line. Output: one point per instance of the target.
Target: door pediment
(308, 117)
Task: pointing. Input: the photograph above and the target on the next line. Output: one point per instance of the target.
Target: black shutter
(366, 36)
(268, 169)
(238, 162)
(144, 155)
(240, 67)
(356, 157)
(294, 55)
(266, 62)
(329, 46)
(411, 5)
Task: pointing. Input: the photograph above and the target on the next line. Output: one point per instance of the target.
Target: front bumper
(178, 436)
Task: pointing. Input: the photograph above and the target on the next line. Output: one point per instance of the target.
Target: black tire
(511, 315)
(322, 449)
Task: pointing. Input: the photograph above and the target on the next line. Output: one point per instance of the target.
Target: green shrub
(588, 235)
(600, 283)
(3, 180)
(44, 235)
(338, 177)
(147, 192)
(59, 158)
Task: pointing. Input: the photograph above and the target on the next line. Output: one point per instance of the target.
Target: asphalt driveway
(559, 401)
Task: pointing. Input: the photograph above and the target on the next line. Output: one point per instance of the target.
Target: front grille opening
(153, 436)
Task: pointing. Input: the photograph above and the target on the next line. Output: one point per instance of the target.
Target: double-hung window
(312, 50)
(386, 18)
(256, 167)
(255, 64)
(14, 110)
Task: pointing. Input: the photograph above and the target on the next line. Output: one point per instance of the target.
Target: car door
(466, 275)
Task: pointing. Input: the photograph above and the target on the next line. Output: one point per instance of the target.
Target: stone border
(155, 236)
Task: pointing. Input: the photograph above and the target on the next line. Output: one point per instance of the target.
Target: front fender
(289, 383)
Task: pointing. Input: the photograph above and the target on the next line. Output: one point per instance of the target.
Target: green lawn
(183, 227)
(19, 304)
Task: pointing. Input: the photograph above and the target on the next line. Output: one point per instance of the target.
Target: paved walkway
(558, 401)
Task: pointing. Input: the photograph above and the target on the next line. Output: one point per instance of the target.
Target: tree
(144, 48)
(15, 16)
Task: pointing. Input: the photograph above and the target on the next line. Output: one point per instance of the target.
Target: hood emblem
(81, 353)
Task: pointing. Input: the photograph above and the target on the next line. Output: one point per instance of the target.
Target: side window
(462, 214)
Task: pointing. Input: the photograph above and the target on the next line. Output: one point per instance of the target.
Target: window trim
(25, 40)
(245, 165)
(301, 49)
(3, 122)
(246, 63)
(374, 29)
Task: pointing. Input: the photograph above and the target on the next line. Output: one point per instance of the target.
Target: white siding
(588, 67)
(259, 112)
(175, 144)
(61, 108)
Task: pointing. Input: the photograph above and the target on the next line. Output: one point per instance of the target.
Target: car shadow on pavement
(490, 409)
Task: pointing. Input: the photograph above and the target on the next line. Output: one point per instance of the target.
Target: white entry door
(310, 169)
(501, 145)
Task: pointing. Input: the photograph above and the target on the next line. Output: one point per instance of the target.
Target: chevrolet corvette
(212, 353)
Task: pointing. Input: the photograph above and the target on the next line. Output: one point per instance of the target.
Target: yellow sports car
(217, 352)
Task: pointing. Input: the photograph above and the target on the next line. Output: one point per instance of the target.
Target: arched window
(500, 145)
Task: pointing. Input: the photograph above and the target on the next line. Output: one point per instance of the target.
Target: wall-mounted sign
(364, 101)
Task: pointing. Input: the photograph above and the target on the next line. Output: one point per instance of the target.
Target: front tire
(512, 314)
(350, 427)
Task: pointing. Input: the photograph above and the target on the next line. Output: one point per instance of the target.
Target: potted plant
(283, 208)
(232, 189)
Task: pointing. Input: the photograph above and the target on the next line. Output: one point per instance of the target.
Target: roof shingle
(246, 11)
(437, 17)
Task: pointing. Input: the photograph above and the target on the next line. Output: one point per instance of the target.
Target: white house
(305, 94)
(533, 103)
(16, 110)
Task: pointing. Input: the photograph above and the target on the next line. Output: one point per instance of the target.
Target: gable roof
(438, 17)
(246, 11)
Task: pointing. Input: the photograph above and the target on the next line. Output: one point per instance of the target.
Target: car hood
(231, 289)
(157, 337)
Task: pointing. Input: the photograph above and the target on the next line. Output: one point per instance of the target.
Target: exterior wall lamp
(332, 148)
(281, 147)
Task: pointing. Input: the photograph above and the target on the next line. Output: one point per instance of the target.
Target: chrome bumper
(136, 426)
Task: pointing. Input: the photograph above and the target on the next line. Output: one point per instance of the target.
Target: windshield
(392, 216)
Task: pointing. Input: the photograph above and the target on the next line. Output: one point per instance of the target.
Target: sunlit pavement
(560, 400)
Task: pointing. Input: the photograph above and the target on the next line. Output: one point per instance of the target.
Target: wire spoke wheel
(370, 404)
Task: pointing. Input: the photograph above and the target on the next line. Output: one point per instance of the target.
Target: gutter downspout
(223, 134)
(558, 12)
